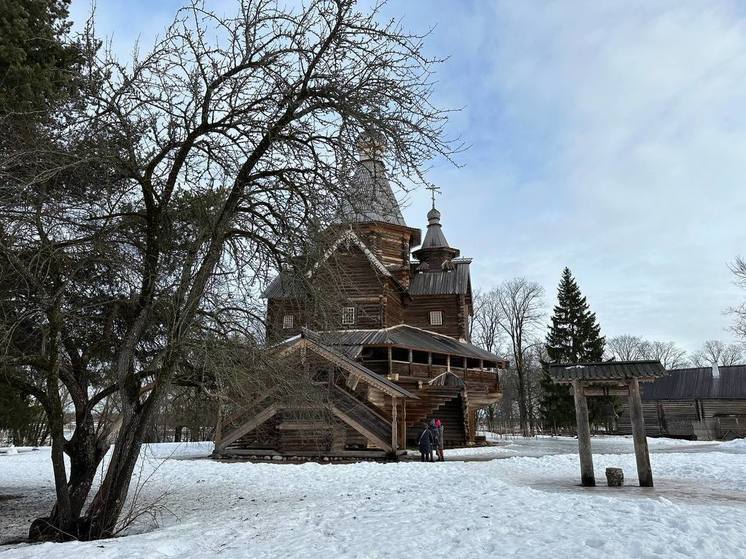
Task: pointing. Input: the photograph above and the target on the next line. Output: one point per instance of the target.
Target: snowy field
(517, 499)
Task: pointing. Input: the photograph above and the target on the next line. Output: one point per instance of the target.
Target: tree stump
(615, 477)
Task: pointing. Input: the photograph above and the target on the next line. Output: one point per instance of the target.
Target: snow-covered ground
(517, 499)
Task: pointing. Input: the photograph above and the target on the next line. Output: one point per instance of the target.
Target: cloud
(609, 137)
(606, 136)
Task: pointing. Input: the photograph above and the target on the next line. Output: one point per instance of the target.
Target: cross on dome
(433, 190)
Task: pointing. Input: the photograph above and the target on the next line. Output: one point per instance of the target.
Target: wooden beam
(258, 453)
(644, 471)
(326, 354)
(600, 391)
(247, 427)
(372, 437)
(587, 477)
(394, 427)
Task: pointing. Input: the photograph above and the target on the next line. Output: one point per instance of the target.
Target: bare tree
(214, 155)
(520, 306)
(625, 347)
(716, 352)
(739, 312)
(485, 326)
(669, 354)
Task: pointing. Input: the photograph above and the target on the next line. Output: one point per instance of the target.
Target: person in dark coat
(425, 443)
(434, 438)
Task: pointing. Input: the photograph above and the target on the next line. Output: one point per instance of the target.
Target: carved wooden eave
(350, 237)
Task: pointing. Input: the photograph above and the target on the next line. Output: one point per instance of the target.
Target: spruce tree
(574, 337)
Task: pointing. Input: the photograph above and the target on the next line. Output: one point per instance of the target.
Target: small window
(436, 318)
(348, 315)
(287, 321)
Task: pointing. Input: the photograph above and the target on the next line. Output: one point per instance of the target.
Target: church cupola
(435, 254)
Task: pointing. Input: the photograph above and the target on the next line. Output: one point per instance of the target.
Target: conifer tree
(574, 337)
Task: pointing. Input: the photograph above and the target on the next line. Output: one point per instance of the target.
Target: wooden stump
(614, 477)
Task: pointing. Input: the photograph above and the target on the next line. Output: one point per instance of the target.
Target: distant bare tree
(669, 354)
(716, 352)
(485, 327)
(739, 271)
(520, 311)
(625, 347)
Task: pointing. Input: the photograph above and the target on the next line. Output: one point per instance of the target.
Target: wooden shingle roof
(351, 342)
(371, 196)
(606, 371)
(442, 282)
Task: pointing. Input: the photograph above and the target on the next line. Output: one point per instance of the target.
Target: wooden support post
(644, 472)
(429, 364)
(472, 425)
(584, 437)
(394, 427)
(448, 362)
(391, 369)
(411, 359)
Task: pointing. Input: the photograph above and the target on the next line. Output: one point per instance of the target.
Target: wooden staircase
(269, 425)
(443, 402)
(431, 398)
(374, 426)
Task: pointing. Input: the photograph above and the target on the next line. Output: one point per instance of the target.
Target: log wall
(417, 313)
(691, 419)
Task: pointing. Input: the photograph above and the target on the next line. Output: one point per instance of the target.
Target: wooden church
(386, 352)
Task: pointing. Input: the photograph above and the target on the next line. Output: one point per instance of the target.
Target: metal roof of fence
(699, 383)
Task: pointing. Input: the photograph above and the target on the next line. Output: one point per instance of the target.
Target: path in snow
(524, 506)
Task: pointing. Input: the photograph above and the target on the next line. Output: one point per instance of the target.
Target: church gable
(347, 288)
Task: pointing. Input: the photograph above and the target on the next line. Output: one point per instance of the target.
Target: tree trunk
(522, 407)
(86, 452)
(104, 511)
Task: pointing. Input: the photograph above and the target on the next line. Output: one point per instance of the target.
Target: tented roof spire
(371, 198)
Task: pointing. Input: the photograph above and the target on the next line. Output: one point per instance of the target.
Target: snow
(735, 444)
(516, 499)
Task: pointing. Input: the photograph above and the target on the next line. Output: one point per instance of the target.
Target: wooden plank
(304, 426)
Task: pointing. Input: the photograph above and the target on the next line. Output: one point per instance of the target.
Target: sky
(608, 137)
